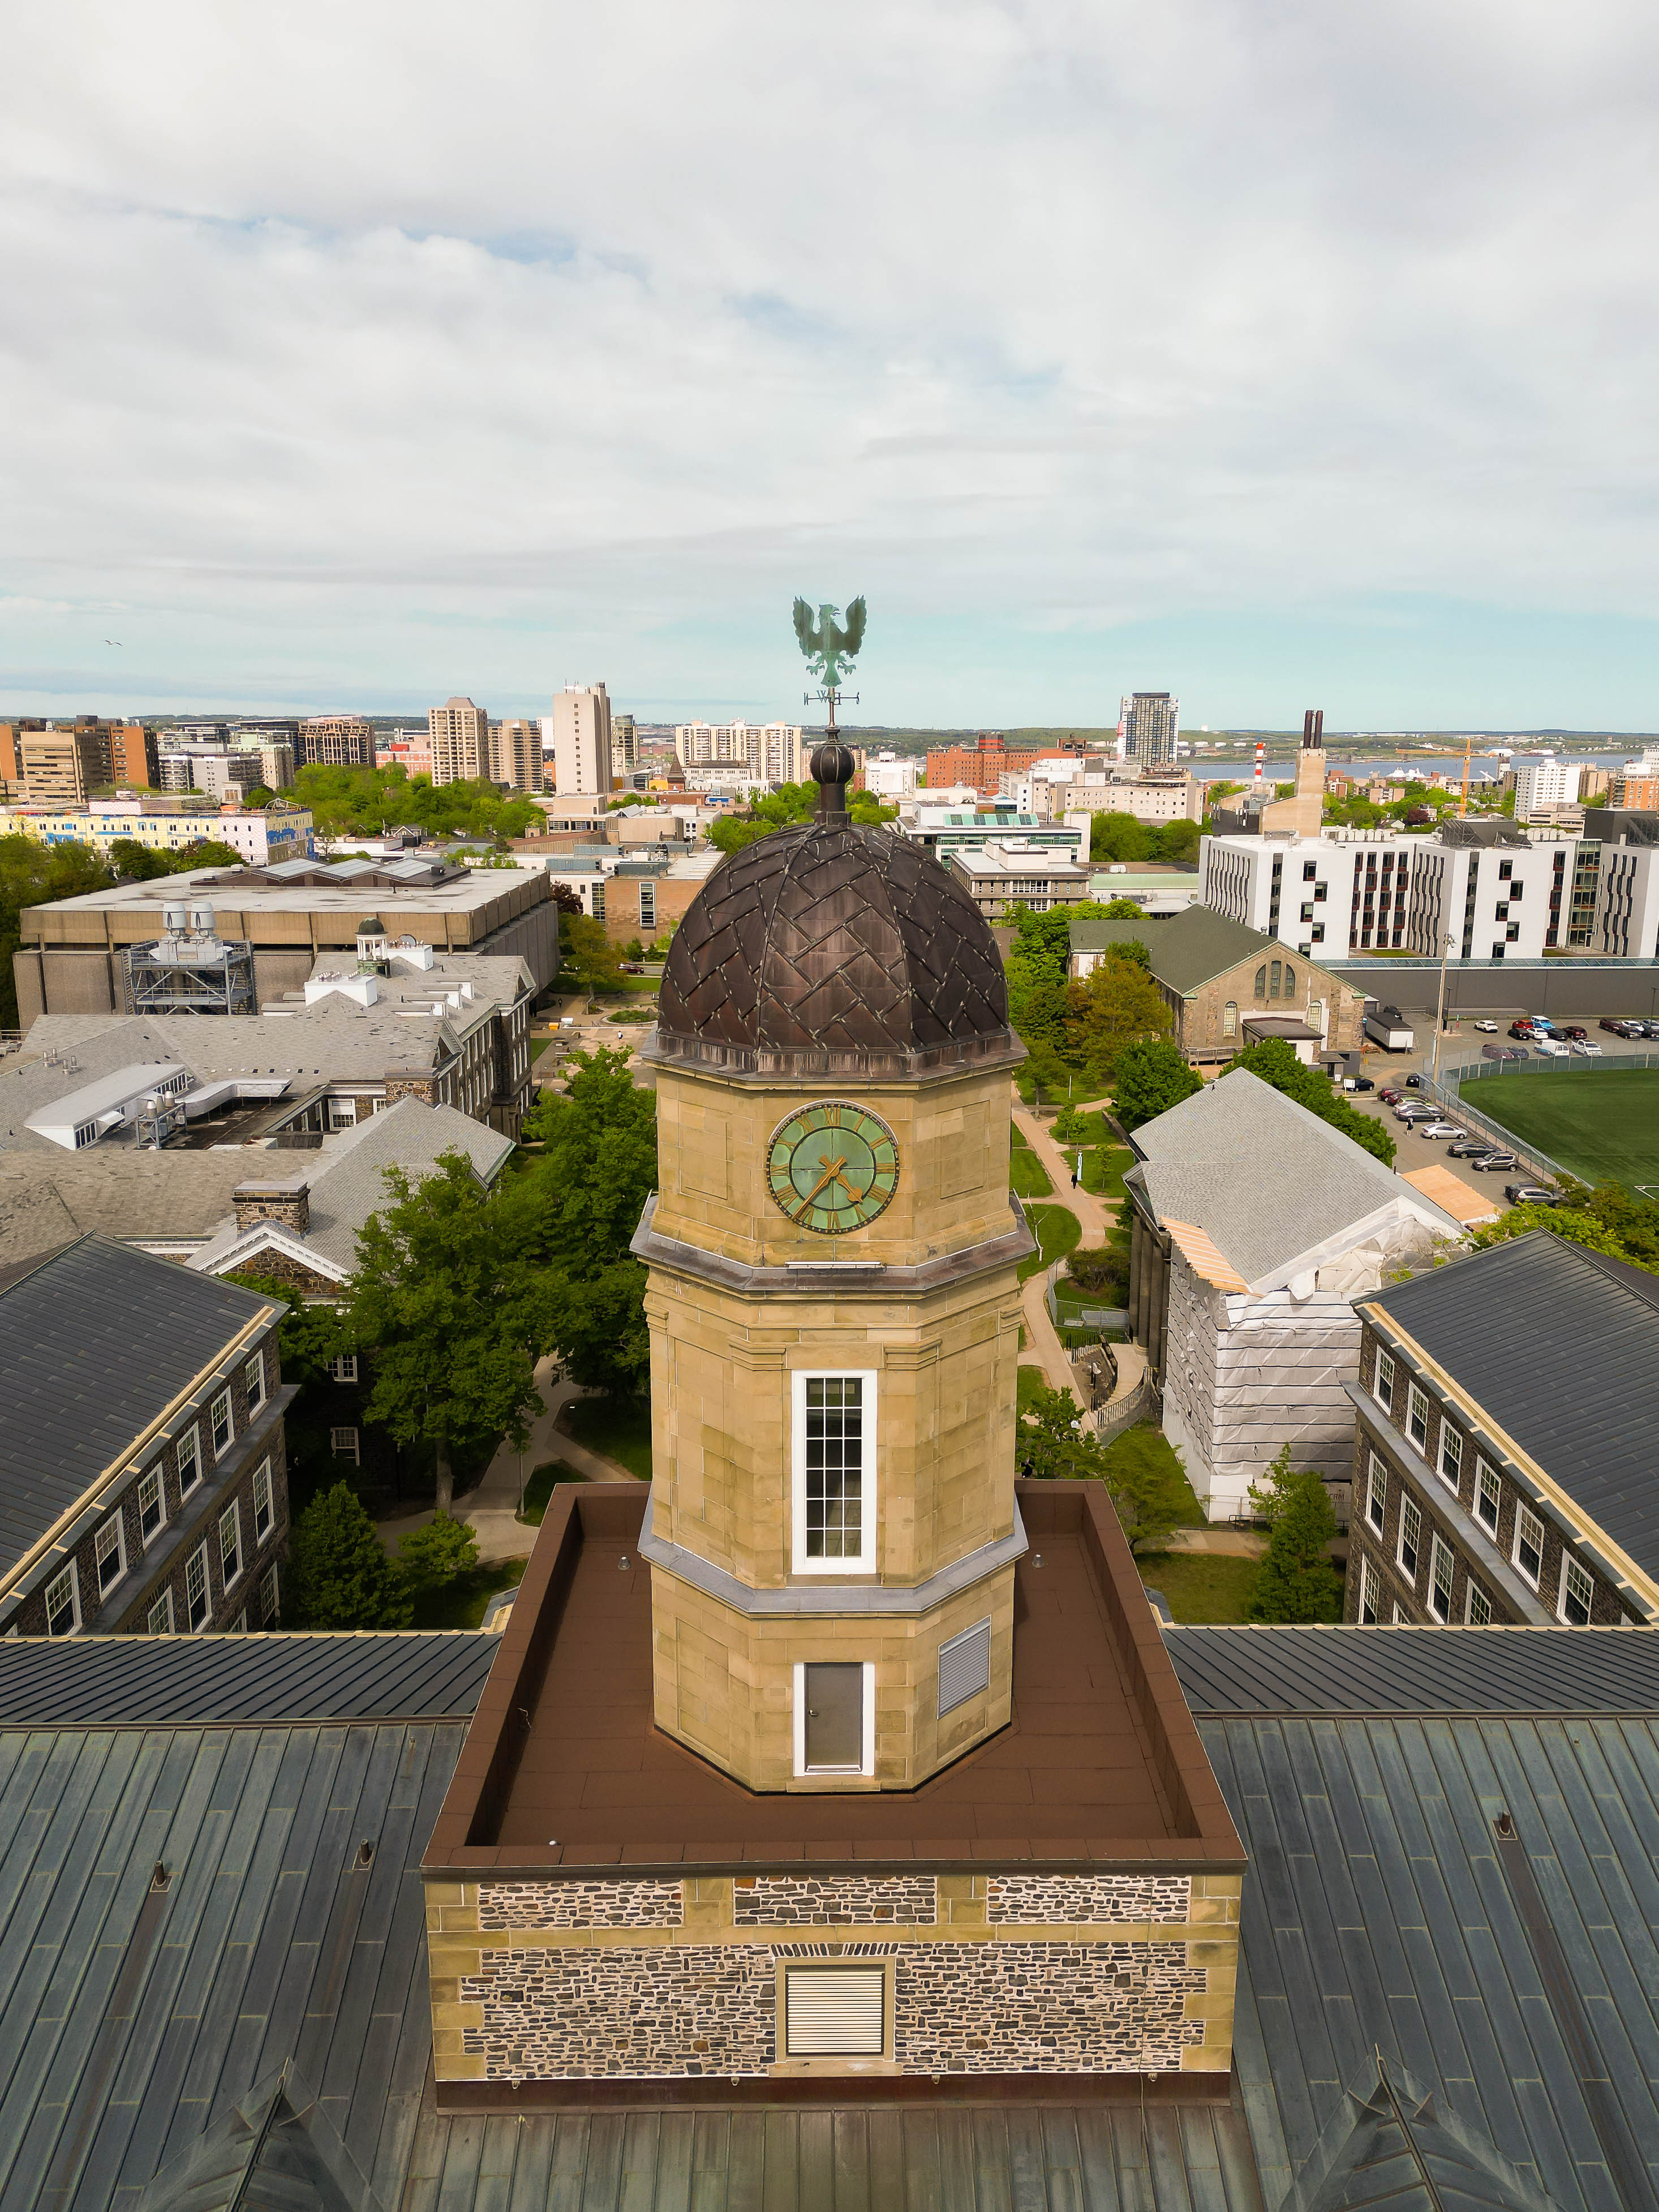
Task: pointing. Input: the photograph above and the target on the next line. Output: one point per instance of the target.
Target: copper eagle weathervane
(831, 647)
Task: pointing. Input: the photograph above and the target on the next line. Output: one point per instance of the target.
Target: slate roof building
(143, 1474)
(214, 1959)
(1255, 1227)
(1227, 985)
(1504, 1465)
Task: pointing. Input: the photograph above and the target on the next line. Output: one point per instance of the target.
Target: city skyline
(1260, 357)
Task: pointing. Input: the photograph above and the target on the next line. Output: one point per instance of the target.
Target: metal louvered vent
(833, 2012)
(964, 1666)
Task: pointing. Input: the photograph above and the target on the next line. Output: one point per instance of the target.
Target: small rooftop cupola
(373, 945)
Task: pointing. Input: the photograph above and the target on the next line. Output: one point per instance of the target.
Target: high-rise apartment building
(515, 754)
(334, 741)
(460, 742)
(1148, 724)
(770, 752)
(579, 735)
(1541, 784)
(60, 763)
(624, 745)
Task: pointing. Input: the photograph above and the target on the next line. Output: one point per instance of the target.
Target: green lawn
(1027, 1174)
(1104, 1171)
(1202, 1587)
(460, 1601)
(1027, 1382)
(1602, 1124)
(538, 1046)
(1058, 1230)
(539, 1486)
(618, 1427)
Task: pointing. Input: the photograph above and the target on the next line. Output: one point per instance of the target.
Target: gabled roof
(1392, 2147)
(125, 1191)
(1265, 1180)
(96, 1341)
(1189, 949)
(1559, 1346)
(275, 2150)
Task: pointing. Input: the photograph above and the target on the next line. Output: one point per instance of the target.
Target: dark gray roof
(190, 1680)
(1561, 1348)
(1417, 1670)
(1189, 949)
(96, 1341)
(1383, 1914)
(946, 2157)
(1391, 2146)
(135, 2020)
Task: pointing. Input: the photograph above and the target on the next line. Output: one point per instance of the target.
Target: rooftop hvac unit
(200, 920)
(175, 920)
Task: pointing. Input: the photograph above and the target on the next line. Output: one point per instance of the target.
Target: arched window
(1261, 982)
(1274, 980)
(1230, 1018)
(1289, 981)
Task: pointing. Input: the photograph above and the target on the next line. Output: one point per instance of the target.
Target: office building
(459, 735)
(1009, 871)
(275, 833)
(515, 754)
(63, 763)
(1149, 725)
(334, 741)
(983, 765)
(578, 736)
(889, 776)
(942, 830)
(226, 774)
(763, 752)
(408, 750)
(1543, 785)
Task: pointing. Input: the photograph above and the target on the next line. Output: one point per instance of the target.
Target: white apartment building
(1159, 797)
(942, 830)
(770, 752)
(888, 775)
(1148, 727)
(515, 754)
(1013, 871)
(1496, 892)
(459, 736)
(1539, 784)
(578, 733)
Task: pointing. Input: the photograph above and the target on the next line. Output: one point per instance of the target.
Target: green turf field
(1601, 1125)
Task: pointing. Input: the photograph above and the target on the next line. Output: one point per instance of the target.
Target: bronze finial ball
(831, 762)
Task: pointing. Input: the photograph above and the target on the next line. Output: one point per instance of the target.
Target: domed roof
(831, 949)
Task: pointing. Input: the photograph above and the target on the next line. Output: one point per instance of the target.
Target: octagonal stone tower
(834, 1313)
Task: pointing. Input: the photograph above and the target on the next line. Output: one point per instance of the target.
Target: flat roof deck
(1100, 1761)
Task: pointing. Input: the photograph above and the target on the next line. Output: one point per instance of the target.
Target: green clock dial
(832, 1167)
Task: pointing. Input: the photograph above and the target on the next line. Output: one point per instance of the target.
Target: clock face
(832, 1167)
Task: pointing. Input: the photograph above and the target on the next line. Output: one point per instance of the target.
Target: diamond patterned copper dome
(832, 948)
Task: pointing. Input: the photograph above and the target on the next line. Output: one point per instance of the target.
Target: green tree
(1117, 1005)
(1140, 1473)
(339, 1575)
(1122, 837)
(137, 864)
(1148, 1079)
(588, 957)
(260, 796)
(1274, 1061)
(443, 1294)
(33, 874)
(1123, 909)
(1572, 1223)
(1068, 1127)
(789, 807)
(437, 1553)
(1297, 1581)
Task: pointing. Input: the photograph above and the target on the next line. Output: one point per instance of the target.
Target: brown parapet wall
(856, 2092)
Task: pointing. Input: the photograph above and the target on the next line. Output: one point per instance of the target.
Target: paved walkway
(1097, 1219)
(491, 1510)
(1093, 1214)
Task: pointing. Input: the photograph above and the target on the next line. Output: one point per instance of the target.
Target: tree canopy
(339, 1574)
(135, 863)
(33, 874)
(1296, 1580)
(789, 807)
(370, 802)
(1150, 1077)
(1139, 1469)
(1606, 1220)
(587, 956)
(1126, 837)
(1274, 1061)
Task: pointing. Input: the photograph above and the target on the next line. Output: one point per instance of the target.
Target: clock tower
(834, 1313)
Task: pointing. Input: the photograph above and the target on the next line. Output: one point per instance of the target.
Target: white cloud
(378, 350)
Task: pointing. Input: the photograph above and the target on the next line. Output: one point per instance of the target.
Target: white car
(1549, 1048)
(1585, 1049)
(1487, 1029)
(1442, 1129)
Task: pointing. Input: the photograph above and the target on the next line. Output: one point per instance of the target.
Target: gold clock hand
(831, 1173)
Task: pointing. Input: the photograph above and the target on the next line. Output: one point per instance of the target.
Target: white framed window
(835, 1473)
(344, 1368)
(1488, 1493)
(343, 1442)
(1451, 1455)
(1399, 1618)
(1477, 1605)
(222, 1422)
(270, 1599)
(239, 1626)
(253, 1375)
(1417, 1416)
(1528, 1548)
(1370, 1592)
(834, 1717)
(159, 1619)
(835, 2011)
(1442, 1563)
(1230, 1018)
(64, 1603)
(1409, 1550)
(152, 1505)
(190, 1463)
(197, 1606)
(109, 1552)
(1384, 1389)
(230, 1543)
(263, 1513)
(1577, 1592)
(1376, 1493)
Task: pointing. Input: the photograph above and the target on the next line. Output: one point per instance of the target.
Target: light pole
(1440, 1009)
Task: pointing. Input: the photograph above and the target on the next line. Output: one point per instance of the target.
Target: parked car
(1503, 1052)
(1413, 1082)
(1540, 1021)
(1550, 1049)
(1442, 1129)
(1531, 1194)
(1389, 1096)
(1574, 1034)
(1413, 1109)
(1585, 1049)
(1360, 1083)
(1641, 1028)
(1468, 1148)
(1488, 1162)
(1618, 1028)
(1487, 1029)
(1521, 1029)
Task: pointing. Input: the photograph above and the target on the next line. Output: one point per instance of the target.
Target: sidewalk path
(1091, 1210)
(491, 1510)
(1096, 1220)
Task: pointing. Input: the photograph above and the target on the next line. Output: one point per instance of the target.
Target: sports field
(1602, 1125)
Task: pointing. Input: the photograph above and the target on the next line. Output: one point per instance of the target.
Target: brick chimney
(288, 1202)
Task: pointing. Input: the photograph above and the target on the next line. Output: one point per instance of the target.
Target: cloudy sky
(1276, 352)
